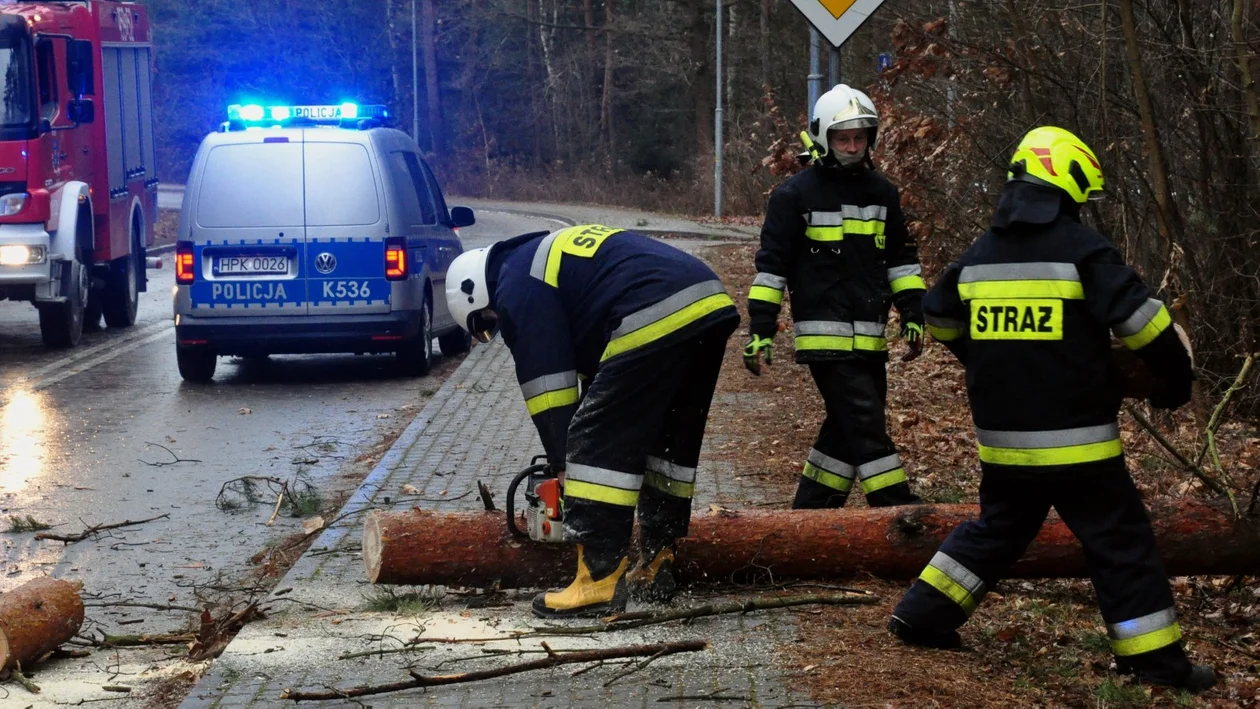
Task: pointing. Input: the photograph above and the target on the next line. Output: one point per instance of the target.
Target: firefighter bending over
(645, 326)
(836, 239)
(1027, 309)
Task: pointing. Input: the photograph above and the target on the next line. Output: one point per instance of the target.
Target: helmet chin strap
(846, 160)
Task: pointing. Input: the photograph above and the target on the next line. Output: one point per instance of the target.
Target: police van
(313, 229)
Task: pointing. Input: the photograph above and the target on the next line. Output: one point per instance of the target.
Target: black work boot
(652, 579)
(892, 496)
(599, 588)
(1192, 678)
(924, 637)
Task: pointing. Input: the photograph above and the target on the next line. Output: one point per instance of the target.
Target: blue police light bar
(258, 114)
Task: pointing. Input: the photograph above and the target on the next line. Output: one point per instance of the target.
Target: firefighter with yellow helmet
(835, 239)
(1029, 309)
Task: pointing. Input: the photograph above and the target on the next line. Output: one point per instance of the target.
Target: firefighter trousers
(853, 443)
(1103, 509)
(635, 442)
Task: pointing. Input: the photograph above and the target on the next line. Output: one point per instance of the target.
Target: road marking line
(112, 354)
(86, 352)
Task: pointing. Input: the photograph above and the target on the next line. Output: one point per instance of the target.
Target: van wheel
(122, 287)
(61, 324)
(457, 341)
(196, 364)
(416, 358)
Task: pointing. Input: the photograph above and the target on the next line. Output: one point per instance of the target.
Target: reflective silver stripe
(769, 280)
(870, 329)
(896, 272)
(823, 327)
(831, 465)
(673, 471)
(824, 219)
(1037, 271)
(1139, 319)
(667, 307)
(874, 211)
(603, 476)
(549, 382)
(538, 267)
(1048, 439)
(960, 574)
(1141, 626)
(875, 467)
(947, 323)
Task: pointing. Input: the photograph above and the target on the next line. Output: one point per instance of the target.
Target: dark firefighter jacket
(570, 300)
(1029, 309)
(836, 240)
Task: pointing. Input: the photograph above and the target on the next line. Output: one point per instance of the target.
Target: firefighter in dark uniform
(1028, 310)
(835, 238)
(645, 326)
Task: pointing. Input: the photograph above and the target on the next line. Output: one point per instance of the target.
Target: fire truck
(78, 181)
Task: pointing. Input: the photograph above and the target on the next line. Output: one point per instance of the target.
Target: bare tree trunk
(432, 93)
(531, 75)
(1243, 57)
(1165, 209)
(393, 10)
(702, 73)
(763, 45)
(605, 109)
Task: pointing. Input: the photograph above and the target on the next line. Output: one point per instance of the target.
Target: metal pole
(717, 119)
(833, 67)
(415, 79)
(815, 70)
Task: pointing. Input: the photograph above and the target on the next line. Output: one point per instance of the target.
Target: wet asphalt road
(108, 432)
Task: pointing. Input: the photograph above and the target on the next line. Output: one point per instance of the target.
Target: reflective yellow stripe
(583, 240)
(1147, 642)
(1068, 290)
(945, 334)
(552, 275)
(769, 295)
(601, 493)
(908, 283)
(668, 324)
(824, 233)
(824, 342)
(1150, 331)
(883, 480)
(668, 485)
(1066, 455)
(955, 591)
(551, 400)
(857, 226)
(824, 477)
(866, 343)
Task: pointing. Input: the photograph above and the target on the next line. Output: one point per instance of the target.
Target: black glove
(1173, 395)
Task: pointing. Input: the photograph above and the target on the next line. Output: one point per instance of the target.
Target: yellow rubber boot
(652, 579)
(586, 597)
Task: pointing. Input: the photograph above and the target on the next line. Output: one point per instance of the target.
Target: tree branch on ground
(95, 529)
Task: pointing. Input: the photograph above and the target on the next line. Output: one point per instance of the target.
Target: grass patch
(1097, 643)
(1110, 694)
(948, 495)
(387, 600)
(28, 523)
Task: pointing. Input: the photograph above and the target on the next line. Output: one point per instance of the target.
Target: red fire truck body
(78, 181)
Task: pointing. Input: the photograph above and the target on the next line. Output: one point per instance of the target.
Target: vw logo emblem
(325, 263)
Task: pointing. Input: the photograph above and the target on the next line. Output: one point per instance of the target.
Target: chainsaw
(543, 521)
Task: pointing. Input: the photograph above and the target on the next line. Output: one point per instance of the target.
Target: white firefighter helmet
(841, 108)
(468, 292)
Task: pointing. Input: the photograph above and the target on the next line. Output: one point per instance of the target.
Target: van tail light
(183, 262)
(395, 258)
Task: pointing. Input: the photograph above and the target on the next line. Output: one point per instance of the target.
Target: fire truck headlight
(20, 255)
(11, 204)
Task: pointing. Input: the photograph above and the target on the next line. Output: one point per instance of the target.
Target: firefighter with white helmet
(645, 326)
(1030, 310)
(835, 239)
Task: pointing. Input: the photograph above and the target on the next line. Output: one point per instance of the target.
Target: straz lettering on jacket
(580, 241)
(1018, 301)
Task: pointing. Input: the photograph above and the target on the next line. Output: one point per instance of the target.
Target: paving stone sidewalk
(476, 427)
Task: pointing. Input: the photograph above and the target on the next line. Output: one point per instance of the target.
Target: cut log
(35, 618)
(475, 548)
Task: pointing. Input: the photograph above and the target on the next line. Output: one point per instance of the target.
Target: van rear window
(252, 185)
(340, 185)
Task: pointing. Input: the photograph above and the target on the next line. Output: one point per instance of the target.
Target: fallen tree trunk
(35, 618)
(475, 548)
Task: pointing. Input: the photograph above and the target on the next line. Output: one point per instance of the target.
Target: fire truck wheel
(196, 364)
(122, 288)
(61, 324)
(416, 359)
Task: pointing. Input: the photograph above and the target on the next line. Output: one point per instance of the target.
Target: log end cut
(372, 545)
(36, 618)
